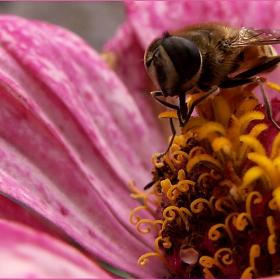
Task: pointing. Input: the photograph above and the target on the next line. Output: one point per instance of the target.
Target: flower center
(215, 197)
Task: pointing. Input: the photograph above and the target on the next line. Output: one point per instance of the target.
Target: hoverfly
(209, 56)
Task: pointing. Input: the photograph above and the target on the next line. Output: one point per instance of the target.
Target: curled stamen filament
(254, 253)
(148, 229)
(272, 240)
(169, 214)
(208, 262)
(197, 205)
(143, 260)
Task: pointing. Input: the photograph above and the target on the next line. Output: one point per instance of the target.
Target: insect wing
(256, 37)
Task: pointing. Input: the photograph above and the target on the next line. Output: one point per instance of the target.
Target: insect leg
(230, 83)
(267, 103)
(265, 66)
(197, 101)
(171, 140)
(238, 82)
(183, 108)
(155, 95)
(149, 185)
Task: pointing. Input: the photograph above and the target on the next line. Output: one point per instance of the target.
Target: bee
(209, 56)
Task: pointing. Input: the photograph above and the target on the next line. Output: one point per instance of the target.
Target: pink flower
(73, 134)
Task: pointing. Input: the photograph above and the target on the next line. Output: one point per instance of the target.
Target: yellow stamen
(196, 151)
(204, 159)
(247, 118)
(255, 252)
(267, 166)
(221, 110)
(209, 262)
(226, 256)
(179, 157)
(271, 244)
(214, 234)
(203, 177)
(183, 185)
(242, 221)
(169, 162)
(165, 185)
(169, 214)
(246, 106)
(222, 143)
(249, 200)
(211, 127)
(251, 175)
(275, 150)
(155, 161)
(223, 147)
(181, 175)
(194, 97)
(148, 228)
(197, 205)
(276, 195)
(273, 86)
(253, 143)
(243, 151)
(168, 114)
(192, 123)
(272, 240)
(273, 204)
(221, 201)
(243, 218)
(143, 260)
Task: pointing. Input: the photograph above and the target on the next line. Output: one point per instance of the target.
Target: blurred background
(95, 22)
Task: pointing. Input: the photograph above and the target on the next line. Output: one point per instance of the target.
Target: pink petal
(71, 139)
(30, 254)
(130, 69)
(9, 210)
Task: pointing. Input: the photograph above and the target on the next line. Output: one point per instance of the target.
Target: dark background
(96, 22)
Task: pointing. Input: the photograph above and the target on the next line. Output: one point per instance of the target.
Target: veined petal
(71, 139)
(25, 253)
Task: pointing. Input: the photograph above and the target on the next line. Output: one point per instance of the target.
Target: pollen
(214, 199)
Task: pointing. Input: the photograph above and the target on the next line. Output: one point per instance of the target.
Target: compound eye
(184, 54)
(151, 51)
